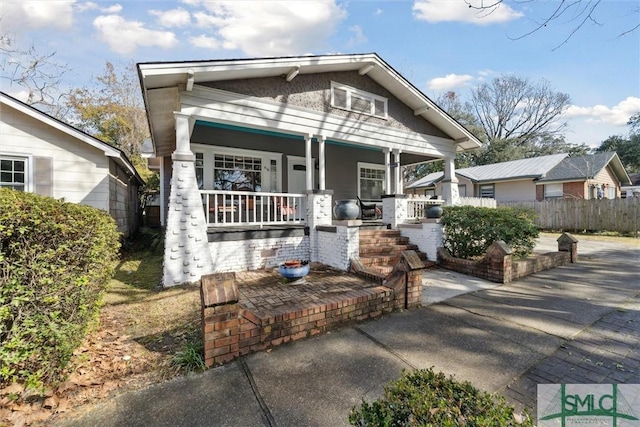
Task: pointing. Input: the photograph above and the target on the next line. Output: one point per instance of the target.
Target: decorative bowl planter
(294, 269)
(346, 209)
(434, 211)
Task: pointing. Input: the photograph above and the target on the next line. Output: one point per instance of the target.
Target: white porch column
(397, 187)
(321, 162)
(387, 171)
(186, 249)
(308, 161)
(450, 183)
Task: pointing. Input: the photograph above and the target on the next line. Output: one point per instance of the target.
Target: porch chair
(368, 211)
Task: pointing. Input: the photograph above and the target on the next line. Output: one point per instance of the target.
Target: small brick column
(406, 281)
(498, 261)
(220, 318)
(568, 243)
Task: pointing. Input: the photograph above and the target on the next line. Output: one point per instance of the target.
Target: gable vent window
(351, 99)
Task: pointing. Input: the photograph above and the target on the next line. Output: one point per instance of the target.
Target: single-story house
(41, 154)
(598, 175)
(254, 151)
(632, 190)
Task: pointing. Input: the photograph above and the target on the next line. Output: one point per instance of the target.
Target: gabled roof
(555, 167)
(534, 167)
(156, 75)
(586, 167)
(51, 121)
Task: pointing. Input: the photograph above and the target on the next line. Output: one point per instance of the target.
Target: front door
(297, 175)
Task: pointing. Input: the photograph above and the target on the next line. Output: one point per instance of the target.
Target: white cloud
(172, 18)
(116, 8)
(459, 11)
(19, 16)
(89, 5)
(205, 42)
(261, 28)
(124, 36)
(448, 82)
(358, 36)
(617, 115)
(378, 12)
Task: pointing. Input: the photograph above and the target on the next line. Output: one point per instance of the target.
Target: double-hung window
(351, 99)
(13, 173)
(371, 181)
(487, 191)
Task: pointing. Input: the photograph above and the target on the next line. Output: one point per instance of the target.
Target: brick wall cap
(219, 288)
(567, 238)
(499, 247)
(412, 260)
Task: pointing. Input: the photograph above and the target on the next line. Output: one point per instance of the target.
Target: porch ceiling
(164, 75)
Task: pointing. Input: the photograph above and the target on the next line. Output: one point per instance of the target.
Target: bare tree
(574, 12)
(112, 111)
(513, 109)
(36, 73)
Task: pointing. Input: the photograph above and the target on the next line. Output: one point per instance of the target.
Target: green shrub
(56, 259)
(469, 231)
(426, 398)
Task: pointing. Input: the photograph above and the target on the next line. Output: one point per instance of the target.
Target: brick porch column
(394, 209)
(319, 212)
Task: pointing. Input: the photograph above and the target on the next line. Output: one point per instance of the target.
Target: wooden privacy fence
(621, 215)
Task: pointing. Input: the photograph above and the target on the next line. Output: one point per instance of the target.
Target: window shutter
(43, 176)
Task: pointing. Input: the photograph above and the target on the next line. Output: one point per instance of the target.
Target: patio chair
(368, 211)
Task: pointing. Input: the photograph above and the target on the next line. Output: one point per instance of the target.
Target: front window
(462, 190)
(371, 181)
(487, 191)
(13, 173)
(237, 173)
(553, 191)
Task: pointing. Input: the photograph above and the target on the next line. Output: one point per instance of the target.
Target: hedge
(427, 398)
(469, 231)
(56, 259)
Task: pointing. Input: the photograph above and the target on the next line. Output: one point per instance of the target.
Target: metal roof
(586, 167)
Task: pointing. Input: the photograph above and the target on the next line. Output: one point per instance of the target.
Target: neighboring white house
(537, 178)
(254, 151)
(41, 154)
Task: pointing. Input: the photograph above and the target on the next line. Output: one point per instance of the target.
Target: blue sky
(438, 45)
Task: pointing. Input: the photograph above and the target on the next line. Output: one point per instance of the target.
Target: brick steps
(380, 250)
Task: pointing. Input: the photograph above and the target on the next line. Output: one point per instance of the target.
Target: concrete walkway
(572, 324)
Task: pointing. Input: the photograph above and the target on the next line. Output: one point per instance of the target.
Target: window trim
(375, 166)
(363, 94)
(28, 164)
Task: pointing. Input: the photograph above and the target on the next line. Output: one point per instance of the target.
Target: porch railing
(240, 208)
(417, 206)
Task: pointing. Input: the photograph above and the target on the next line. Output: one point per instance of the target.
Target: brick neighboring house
(253, 153)
(41, 154)
(538, 178)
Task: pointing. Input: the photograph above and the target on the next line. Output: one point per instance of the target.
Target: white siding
(80, 172)
(515, 191)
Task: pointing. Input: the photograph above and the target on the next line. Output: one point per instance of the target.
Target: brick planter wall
(499, 266)
(230, 330)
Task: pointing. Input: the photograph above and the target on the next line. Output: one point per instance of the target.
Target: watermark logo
(568, 405)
